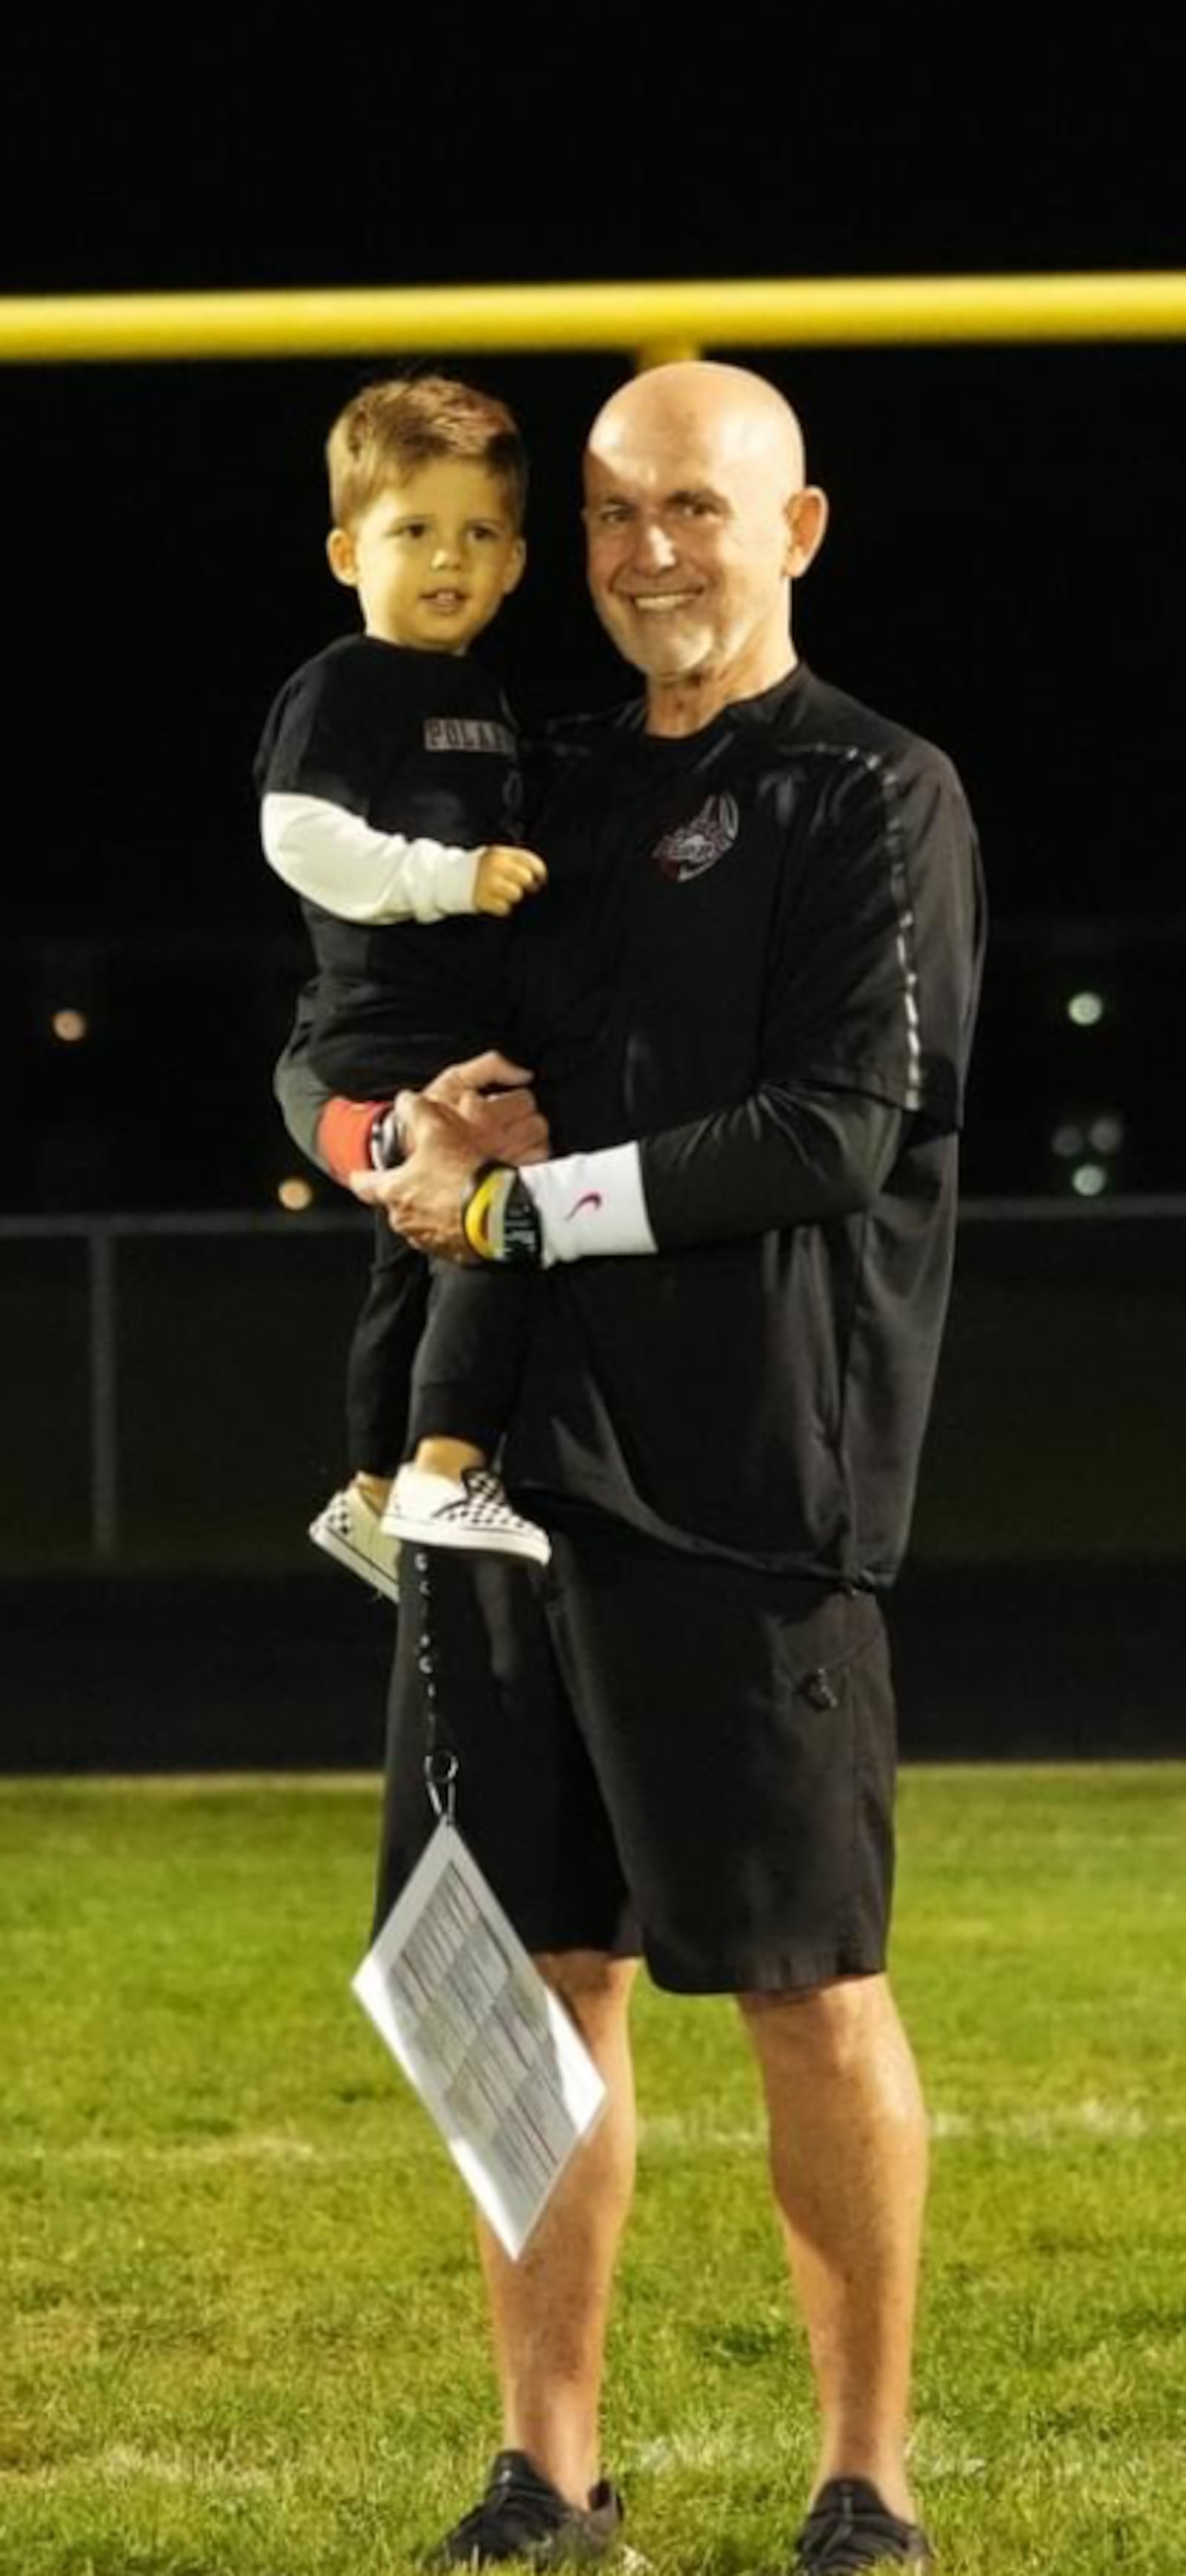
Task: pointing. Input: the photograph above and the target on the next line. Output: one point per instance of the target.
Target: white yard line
(263, 2149)
(1092, 2119)
(123, 2462)
(675, 2134)
(723, 2448)
(668, 2134)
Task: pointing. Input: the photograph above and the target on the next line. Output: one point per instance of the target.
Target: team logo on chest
(695, 847)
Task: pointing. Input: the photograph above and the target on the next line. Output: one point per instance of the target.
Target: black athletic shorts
(657, 1752)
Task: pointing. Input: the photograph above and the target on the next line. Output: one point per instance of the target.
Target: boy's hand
(504, 876)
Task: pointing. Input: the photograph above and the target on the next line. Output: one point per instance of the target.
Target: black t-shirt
(422, 744)
(789, 898)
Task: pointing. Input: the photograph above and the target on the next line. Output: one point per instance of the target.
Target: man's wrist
(567, 1210)
(499, 1219)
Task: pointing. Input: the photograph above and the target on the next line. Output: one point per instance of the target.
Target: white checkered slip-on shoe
(350, 1530)
(468, 1512)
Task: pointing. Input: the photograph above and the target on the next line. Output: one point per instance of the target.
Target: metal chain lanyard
(441, 1766)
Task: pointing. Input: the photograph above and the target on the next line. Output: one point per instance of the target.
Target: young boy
(390, 796)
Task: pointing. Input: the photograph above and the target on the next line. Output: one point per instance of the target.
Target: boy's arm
(318, 752)
(338, 860)
(316, 755)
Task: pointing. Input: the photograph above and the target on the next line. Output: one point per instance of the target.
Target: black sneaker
(849, 2528)
(521, 2515)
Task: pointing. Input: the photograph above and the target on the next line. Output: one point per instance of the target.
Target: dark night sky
(1004, 570)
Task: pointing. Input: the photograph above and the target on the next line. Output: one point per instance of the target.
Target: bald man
(748, 1000)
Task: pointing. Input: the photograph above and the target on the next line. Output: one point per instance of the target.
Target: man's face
(690, 546)
(433, 557)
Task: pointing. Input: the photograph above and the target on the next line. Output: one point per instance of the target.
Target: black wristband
(522, 1245)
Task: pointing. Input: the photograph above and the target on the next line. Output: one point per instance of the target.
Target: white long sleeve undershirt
(340, 862)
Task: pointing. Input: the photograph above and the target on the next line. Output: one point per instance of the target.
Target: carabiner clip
(440, 1780)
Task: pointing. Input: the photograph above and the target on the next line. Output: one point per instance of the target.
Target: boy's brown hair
(391, 429)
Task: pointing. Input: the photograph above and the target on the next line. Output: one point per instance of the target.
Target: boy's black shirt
(422, 744)
(788, 901)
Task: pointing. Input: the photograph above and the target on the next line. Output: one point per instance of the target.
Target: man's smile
(654, 603)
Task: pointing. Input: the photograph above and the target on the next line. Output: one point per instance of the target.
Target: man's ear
(807, 520)
(343, 557)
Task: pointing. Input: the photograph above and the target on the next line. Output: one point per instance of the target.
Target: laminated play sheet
(491, 2052)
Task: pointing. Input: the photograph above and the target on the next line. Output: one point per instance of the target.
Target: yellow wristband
(484, 1193)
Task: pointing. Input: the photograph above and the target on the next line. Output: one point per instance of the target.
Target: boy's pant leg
(470, 1363)
(382, 1354)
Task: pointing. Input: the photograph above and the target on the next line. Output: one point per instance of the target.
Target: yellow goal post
(652, 322)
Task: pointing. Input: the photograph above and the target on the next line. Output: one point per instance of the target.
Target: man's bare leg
(848, 2155)
(550, 2310)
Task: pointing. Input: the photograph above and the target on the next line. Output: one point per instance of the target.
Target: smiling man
(698, 518)
(749, 997)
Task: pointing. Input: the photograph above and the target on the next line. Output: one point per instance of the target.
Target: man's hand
(504, 876)
(494, 1099)
(465, 1118)
(423, 1196)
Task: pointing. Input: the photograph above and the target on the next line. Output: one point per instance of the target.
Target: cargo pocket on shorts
(819, 1648)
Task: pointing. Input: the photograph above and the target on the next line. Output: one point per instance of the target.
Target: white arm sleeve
(342, 863)
(590, 1204)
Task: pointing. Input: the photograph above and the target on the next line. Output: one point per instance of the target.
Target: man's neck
(688, 704)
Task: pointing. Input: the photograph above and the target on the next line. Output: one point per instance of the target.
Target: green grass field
(242, 2334)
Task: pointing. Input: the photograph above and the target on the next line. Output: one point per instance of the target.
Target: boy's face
(432, 559)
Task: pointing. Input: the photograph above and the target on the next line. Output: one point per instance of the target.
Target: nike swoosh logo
(588, 1198)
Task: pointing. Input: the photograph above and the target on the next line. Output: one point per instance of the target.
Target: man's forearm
(785, 1156)
(782, 1157)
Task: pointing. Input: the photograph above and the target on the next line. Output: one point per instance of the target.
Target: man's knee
(828, 2028)
(594, 1989)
